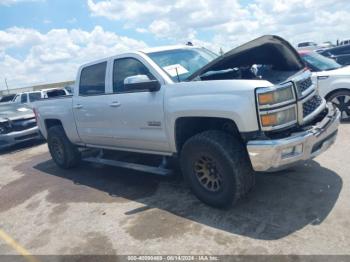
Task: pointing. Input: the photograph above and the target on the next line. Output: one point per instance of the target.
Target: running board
(138, 167)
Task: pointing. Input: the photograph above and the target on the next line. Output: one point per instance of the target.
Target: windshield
(319, 62)
(181, 63)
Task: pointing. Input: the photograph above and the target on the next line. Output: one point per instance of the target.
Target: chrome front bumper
(272, 155)
(13, 138)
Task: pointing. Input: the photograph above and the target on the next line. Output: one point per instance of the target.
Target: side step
(138, 167)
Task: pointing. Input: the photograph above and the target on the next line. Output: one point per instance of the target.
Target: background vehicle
(345, 42)
(30, 97)
(17, 124)
(69, 89)
(332, 79)
(341, 54)
(308, 45)
(7, 98)
(222, 120)
(327, 44)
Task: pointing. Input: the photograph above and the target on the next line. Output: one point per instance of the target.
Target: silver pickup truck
(253, 109)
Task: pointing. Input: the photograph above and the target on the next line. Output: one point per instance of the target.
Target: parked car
(69, 89)
(327, 44)
(345, 42)
(341, 54)
(7, 98)
(332, 79)
(219, 118)
(308, 45)
(30, 97)
(17, 124)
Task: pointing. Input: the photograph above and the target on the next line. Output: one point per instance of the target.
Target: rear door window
(92, 79)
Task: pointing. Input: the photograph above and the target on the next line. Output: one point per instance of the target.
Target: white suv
(30, 97)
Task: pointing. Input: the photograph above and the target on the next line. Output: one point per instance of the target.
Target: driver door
(136, 115)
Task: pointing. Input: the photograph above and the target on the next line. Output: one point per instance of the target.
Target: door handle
(115, 104)
(78, 106)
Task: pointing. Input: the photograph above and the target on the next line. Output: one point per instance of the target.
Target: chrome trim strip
(316, 112)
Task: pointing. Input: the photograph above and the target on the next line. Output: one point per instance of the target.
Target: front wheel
(217, 168)
(63, 152)
(341, 99)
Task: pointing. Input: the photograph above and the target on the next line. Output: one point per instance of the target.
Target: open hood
(265, 50)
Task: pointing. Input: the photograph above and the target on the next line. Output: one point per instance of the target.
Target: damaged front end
(292, 98)
(295, 122)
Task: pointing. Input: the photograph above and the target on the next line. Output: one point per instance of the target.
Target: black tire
(339, 99)
(231, 163)
(63, 152)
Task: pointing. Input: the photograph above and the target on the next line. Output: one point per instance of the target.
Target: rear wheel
(217, 168)
(63, 152)
(341, 100)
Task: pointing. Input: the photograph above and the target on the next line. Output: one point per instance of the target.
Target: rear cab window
(92, 79)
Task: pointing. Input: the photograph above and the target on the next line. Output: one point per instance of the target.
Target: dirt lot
(105, 210)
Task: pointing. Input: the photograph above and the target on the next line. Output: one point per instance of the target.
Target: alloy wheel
(342, 102)
(207, 174)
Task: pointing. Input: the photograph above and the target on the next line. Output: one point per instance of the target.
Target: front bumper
(272, 155)
(13, 138)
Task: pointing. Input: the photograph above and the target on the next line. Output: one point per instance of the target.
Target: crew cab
(221, 119)
(333, 80)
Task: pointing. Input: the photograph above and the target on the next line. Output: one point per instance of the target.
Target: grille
(23, 124)
(17, 125)
(311, 105)
(304, 84)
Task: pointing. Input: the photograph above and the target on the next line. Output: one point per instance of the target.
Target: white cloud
(230, 22)
(56, 55)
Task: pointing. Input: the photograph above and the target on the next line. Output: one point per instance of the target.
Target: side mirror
(141, 82)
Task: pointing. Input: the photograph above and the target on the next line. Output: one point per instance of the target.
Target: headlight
(278, 118)
(275, 96)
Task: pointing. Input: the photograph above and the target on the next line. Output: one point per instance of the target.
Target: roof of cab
(165, 48)
(145, 51)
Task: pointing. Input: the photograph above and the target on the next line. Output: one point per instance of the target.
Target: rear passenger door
(89, 105)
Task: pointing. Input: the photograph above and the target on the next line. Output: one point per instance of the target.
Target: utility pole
(7, 87)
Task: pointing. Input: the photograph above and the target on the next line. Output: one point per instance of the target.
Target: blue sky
(69, 14)
(44, 41)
